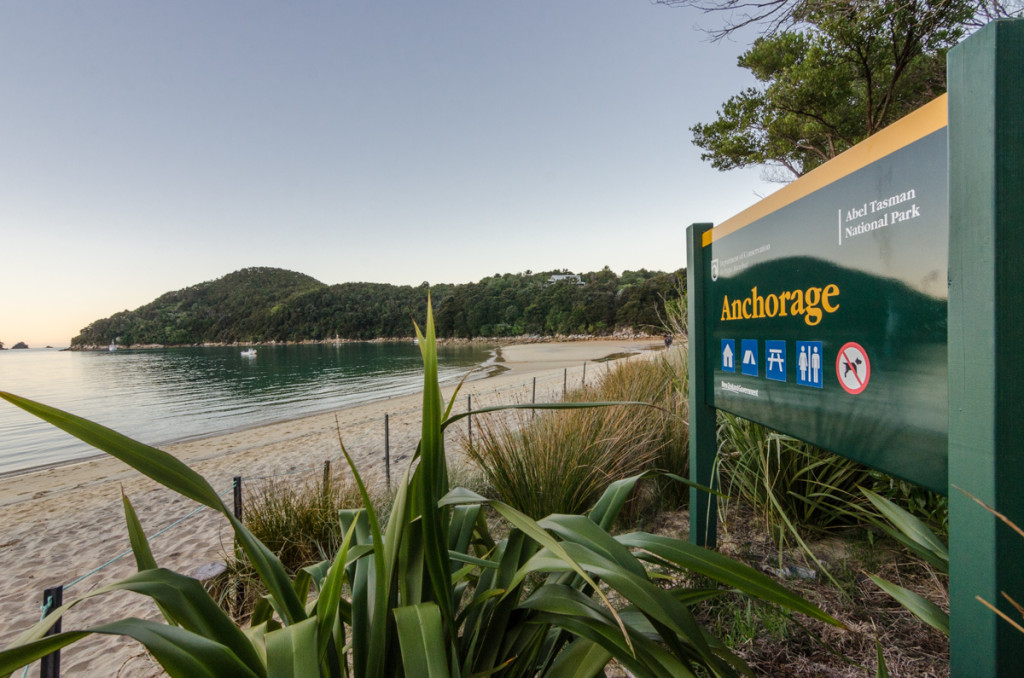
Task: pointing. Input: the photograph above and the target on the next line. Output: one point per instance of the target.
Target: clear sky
(149, 146)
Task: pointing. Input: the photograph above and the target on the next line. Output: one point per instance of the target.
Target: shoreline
(488, 365)
(62, 522)
(623, 335)
(486, 368)
(494, 366)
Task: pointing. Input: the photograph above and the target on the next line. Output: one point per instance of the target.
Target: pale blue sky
(149, 146)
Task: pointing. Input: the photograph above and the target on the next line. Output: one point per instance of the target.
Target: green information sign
(826, 308)
(875, 308)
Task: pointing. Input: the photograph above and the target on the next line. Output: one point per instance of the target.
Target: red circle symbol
(853, 368)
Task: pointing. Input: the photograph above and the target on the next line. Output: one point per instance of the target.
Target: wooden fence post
(237, 487)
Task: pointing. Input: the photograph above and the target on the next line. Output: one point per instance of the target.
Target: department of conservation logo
(714, 270)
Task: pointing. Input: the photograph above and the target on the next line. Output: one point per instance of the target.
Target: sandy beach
(62, 523)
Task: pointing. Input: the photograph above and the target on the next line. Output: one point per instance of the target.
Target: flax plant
(429, 593)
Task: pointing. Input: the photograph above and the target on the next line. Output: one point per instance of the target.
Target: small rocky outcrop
(20, 344)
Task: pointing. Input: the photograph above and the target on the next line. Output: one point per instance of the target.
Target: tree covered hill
(269, 304)
(223, 310)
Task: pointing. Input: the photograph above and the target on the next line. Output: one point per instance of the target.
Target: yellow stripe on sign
(931, 117)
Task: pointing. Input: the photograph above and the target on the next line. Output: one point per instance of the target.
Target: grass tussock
(796, 488)
(787, 479)
(560, 462)
(297, 519)
(661, 380)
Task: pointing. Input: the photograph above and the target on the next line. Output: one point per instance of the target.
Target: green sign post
(873, 307)
(986, 330)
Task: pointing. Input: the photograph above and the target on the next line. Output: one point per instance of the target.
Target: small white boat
(249, 353)
(112, 347)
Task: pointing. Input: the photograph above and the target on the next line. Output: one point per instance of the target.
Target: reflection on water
(159, 396)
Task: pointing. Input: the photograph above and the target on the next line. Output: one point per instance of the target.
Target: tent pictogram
(749, 350)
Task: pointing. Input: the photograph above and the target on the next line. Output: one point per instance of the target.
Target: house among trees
(569, 277)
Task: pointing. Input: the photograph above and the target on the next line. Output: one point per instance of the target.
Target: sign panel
(827, 304)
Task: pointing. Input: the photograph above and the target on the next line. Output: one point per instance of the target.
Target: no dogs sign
(853, 368)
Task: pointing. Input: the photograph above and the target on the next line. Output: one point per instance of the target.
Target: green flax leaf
(421, 637)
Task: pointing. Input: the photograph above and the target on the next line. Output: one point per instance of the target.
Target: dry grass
(561, 461)
(297, 519)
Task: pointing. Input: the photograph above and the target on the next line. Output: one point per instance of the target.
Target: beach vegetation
(795, 487)
(296, 518)
(561, 461)
(791, 483)
(429, 592)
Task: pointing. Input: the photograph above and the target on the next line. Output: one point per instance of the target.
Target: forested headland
(257, 305)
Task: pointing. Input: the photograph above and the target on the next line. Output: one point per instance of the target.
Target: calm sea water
(161, 396)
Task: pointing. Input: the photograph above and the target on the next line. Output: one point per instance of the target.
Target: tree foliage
(776, 15)
(266, 304)
(830, 74)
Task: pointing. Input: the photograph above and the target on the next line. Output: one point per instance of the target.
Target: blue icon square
(775, 359)
(749, 360)
(810, 364)
(728, 355)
